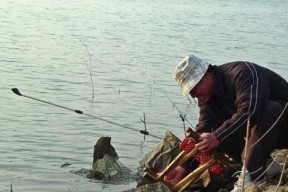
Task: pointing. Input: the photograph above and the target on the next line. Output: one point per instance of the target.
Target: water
(43, 53)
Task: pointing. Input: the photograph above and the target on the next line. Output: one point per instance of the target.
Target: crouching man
(232, 97)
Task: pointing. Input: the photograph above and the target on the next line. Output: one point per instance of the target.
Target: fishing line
(183, 116)
(17, 92)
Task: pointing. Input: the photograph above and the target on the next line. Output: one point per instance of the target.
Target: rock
(280, 155)
(95, 175)
(160, 156)
(272, 188)
(155, 187)
(106, 164)
(102, 147)
(222, 182)
(253, 188)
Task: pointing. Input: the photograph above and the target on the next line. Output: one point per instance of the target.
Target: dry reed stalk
(245, 153)
(282, 173)
(89, 67)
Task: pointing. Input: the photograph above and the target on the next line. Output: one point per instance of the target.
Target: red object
(188, 145)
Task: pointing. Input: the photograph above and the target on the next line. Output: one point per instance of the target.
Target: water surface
(43, 53)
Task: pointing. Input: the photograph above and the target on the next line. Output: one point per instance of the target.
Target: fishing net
(111, 169)
(161, 155)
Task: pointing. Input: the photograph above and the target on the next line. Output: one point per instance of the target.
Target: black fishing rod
(17, 92)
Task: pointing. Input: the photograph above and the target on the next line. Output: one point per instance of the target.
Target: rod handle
(16, 91)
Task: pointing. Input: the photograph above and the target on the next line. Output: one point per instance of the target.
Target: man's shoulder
(238, 66)
(231, 66)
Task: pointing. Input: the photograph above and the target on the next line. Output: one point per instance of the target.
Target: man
(232, 97)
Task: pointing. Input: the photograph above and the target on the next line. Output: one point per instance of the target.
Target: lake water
(46, 49)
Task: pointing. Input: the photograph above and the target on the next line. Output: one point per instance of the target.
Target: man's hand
(176, 175)
(207, 142)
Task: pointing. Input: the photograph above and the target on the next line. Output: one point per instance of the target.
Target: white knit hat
(189, 72)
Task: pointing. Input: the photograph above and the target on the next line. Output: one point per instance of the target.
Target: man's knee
(275, 118)
(272, 109)
(270, 122)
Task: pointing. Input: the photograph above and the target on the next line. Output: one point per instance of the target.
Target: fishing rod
(17, 92)
(183, 116)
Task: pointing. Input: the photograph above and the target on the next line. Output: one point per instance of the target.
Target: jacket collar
(218, 90)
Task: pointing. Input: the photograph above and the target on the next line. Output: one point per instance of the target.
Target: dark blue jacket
(241, 89)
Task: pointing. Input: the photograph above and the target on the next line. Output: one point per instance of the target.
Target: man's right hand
(207, 142)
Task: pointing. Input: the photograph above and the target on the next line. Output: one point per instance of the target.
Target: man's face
(204, 89)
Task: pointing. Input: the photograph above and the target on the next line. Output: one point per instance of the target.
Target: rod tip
(16, 91)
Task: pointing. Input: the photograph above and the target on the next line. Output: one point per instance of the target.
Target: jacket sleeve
(252, 92)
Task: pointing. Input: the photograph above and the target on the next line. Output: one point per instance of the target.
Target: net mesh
(112, 169)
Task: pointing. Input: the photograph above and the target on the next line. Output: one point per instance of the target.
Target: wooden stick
(179, 160)
(193, 176)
